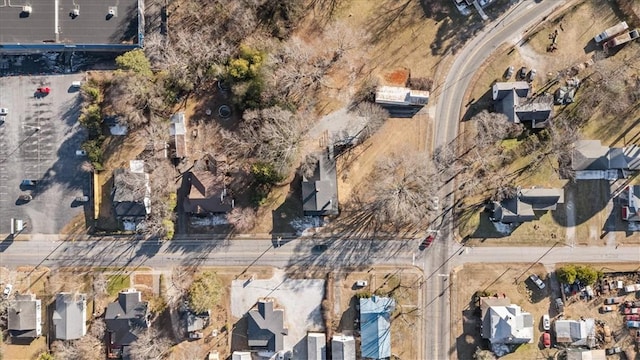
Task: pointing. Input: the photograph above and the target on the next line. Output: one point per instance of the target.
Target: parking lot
(38, 141)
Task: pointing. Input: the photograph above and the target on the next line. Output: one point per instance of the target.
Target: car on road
(362, 283)
(546, 322)
(3, 113)
(76, 84)
(536, 280)
(7, 290)
(81, 153)
(28, 182)
(427, 242)
(546, 340)
(522, 74)
(43, 90)
(25, 198)
(509, 72)
(83, 198)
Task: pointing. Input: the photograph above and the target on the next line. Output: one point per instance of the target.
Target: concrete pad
(300, 299)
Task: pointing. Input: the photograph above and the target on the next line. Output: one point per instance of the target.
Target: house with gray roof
(131, 192)
(514, 100)
(375, 327)
(504, 323)
(70, 316)
(591, 160)
(576, 332)
(25, 317)
(523, 207)
(124, 318)
(343, 347)
(631, 203)
(316, 346)
(266, 329)
(320, 190)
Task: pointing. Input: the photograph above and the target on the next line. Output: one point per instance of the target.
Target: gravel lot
(38, 141)
(300, 300)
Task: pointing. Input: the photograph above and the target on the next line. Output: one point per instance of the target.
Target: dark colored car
(522, 74)
(427, 242)
(319, 248)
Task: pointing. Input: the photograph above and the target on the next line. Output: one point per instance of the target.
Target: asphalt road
(509, 26)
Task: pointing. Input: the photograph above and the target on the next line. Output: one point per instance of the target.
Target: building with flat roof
(70, 25)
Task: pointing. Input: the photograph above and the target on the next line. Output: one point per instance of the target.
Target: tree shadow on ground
(289, 210)
(474, 106)
(587, 198)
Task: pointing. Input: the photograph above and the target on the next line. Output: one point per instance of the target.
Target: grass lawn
(115, 283)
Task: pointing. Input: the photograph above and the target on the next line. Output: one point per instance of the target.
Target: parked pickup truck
(611, 32)
(621, 39)
(628, 311)
(633, 324)
(613, 300)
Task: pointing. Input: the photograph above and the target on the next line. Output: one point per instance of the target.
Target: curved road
(509, 26)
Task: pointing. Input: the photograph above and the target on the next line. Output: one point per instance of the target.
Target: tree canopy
(205, 292)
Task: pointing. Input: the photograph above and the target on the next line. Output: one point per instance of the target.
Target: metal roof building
(73, 25)
(375, 327)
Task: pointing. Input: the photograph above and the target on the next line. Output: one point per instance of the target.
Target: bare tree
(99, 285)
(89, 347)
(493, 127)
(242, 219)
(309, 165)
(403, 189)
(150, 345)
(375, 117)
(273, 135)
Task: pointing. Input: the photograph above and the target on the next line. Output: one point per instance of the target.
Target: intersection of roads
(436, 263)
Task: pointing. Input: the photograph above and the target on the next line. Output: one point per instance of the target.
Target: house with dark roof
(124, 318)
(591, 160)
(207, 192)
(178, 134)
(576, 332)
(266, 329)
(522, 207)
(131, 192)
(343, 347)
(320, 190)
(25, 317)
(375, 327)
(70, 316)
(504, 323)
(515, 101)
(631, 203)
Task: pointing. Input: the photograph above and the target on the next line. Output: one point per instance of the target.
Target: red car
(427, 242)
(42, 92)
(632, 318)
(546, 340)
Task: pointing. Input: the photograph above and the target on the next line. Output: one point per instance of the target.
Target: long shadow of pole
(254, 261)
(515, 281)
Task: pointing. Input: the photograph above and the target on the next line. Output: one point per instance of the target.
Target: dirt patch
(397, 77)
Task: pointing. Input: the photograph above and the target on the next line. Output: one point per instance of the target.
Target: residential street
(508, 27)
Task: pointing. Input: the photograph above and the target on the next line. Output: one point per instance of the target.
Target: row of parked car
(523, 73)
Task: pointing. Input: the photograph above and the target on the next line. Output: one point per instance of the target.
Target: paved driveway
(300, 299)
(38, 141)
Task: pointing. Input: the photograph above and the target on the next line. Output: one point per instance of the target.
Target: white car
(536, 280)
(362, 283)
(7, 290)
(546, 322)
(4, 111)
(81, 153)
